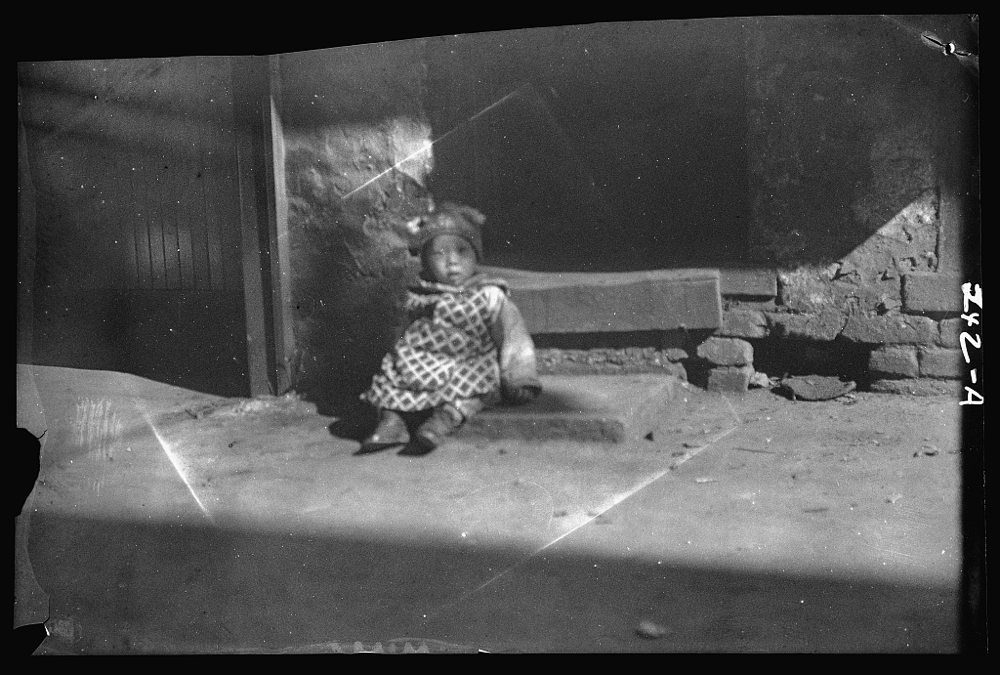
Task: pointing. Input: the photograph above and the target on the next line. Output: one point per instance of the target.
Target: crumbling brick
(950, 332)
(730, 379)
(743, 323)
(677, 370)
(918, 387)
(822, 326)
(803, 290)
(891, 329)
(894, 362)
(675, 354)
(607, 361)
(932, 292)
(947, 363)
(808, 291)
(726, 351)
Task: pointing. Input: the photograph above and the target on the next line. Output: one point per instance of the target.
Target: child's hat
(449, 218)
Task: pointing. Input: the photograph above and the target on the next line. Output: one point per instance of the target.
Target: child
(466, 346)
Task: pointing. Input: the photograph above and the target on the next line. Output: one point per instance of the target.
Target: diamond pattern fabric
(446, 354)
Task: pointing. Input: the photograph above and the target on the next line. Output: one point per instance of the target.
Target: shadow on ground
(133, 587)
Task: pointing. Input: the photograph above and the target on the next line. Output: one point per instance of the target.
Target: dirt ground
(165, 520)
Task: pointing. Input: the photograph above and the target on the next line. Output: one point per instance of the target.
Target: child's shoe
(444, 421)
(391, 430)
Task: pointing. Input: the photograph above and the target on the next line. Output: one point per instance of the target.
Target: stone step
(752, 282)
(595, 408)
(581, 302)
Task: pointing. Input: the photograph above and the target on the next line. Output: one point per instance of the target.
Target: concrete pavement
(165, 520)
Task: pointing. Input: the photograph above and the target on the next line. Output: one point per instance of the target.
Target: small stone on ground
(816, 387)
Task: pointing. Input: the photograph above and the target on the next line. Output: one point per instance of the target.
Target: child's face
(450, 259)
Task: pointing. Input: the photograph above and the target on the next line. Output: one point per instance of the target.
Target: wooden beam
(26, 247)
(278, 245)
(609, 302)
(246, 109)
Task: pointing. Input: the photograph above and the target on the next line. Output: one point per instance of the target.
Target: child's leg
(391, 430)
(444, 421)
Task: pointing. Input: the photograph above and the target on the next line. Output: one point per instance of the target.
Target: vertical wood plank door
(190, 178)
(137, 266)
(139, 168)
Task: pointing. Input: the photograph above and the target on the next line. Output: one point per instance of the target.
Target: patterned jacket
(462, 342)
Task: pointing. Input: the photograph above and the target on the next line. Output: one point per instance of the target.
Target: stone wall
(864, 176)
(854, 122)
(357, 154)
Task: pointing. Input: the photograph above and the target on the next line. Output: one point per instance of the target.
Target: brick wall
(910, 336)
(861, 176)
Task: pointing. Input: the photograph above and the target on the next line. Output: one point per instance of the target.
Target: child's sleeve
(518, 364)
